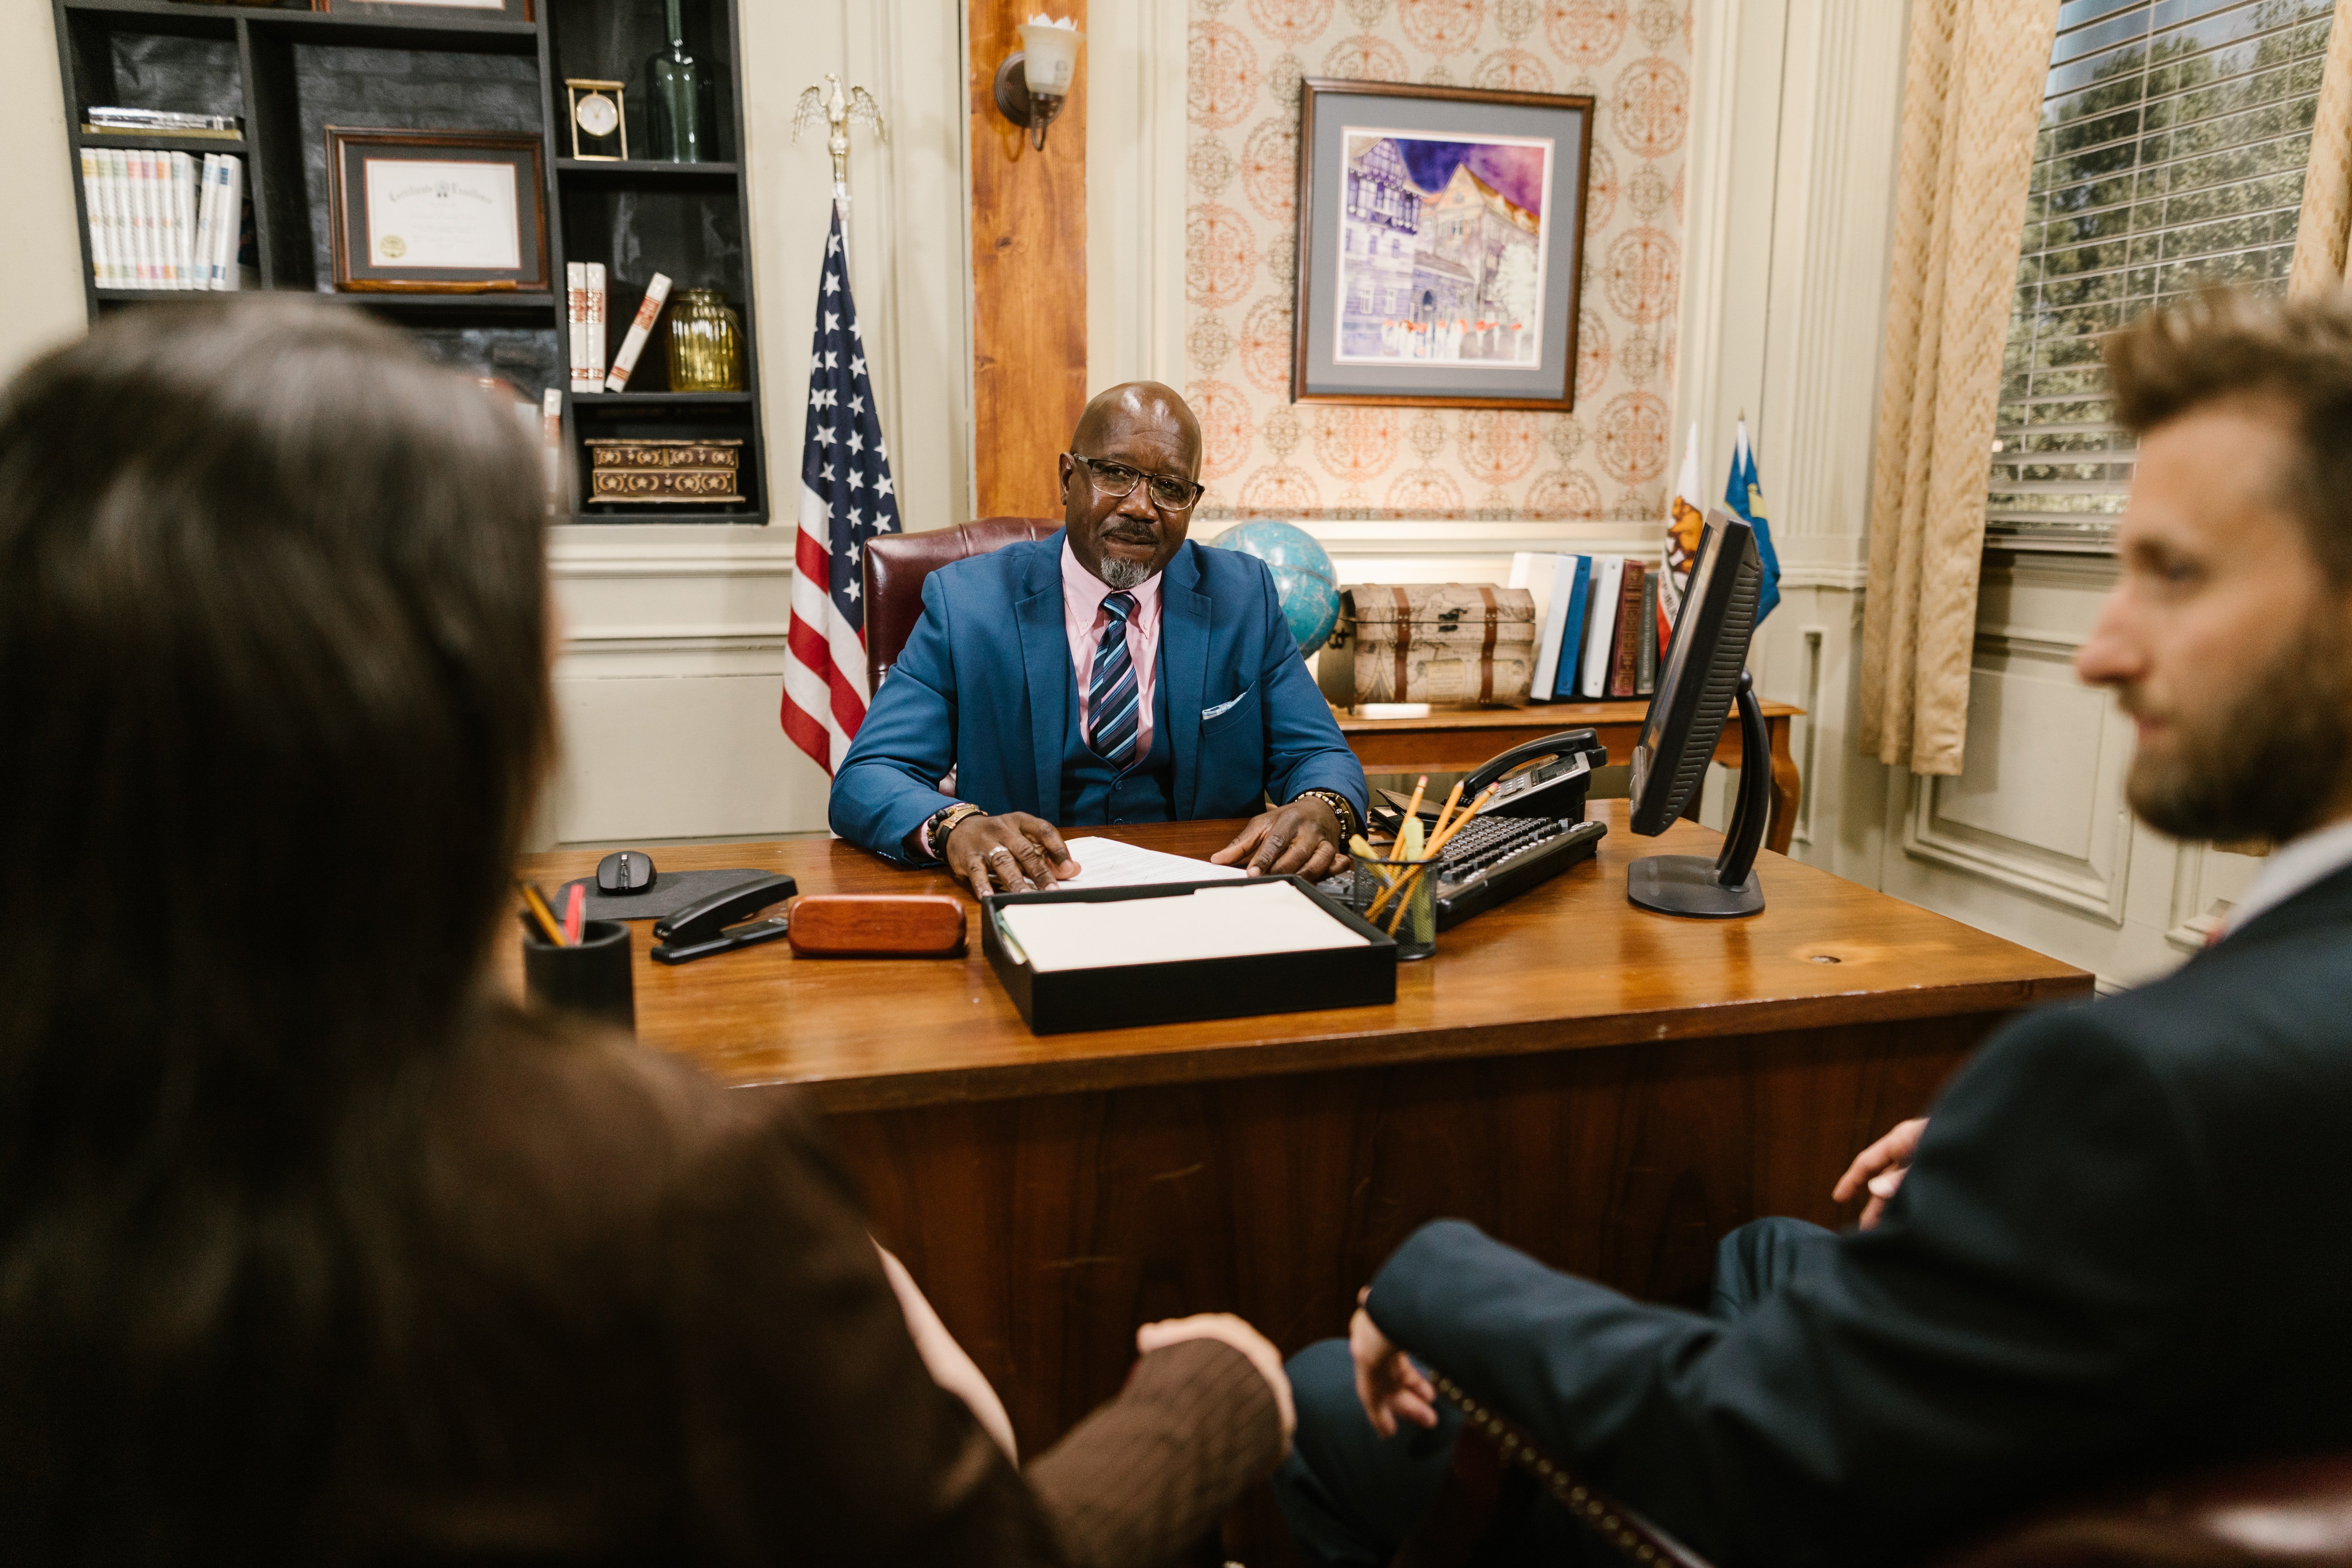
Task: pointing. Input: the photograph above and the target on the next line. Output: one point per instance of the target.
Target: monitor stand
(1724, 887)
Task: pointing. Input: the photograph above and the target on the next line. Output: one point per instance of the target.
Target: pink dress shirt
(1083, 617)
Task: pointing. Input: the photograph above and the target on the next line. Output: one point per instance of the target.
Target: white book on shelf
(120, 268)
(198, 270)
(1555, 623)
(184, 219)
(96, 223)
(575, 320)
(167, 260)
(150, 209)
(207, 214)
(230, 230)
(632, 343)
(143, 206)
(135, 222)
(597, 308)
(1608, 579)
(223, 233)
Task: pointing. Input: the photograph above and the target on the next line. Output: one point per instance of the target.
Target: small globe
(1303, 575)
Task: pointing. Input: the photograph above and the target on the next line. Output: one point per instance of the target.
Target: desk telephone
(1530, 832)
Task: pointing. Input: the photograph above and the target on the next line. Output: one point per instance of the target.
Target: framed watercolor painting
(1440, 236)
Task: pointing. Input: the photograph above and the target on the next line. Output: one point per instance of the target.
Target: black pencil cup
(591, 977)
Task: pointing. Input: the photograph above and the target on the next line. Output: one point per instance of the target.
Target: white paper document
(1107, 863)
(1257, 917)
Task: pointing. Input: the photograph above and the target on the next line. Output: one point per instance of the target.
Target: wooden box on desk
(1132, 995)
(1453, 644)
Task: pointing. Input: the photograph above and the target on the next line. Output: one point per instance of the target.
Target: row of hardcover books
(163, 220)
(1597, 616)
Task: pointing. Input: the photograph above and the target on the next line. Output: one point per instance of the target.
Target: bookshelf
(290, 73)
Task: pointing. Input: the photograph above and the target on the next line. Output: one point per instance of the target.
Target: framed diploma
(453, 212)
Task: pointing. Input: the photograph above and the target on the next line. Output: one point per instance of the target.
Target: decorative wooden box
(639, 472)
(1455, 644)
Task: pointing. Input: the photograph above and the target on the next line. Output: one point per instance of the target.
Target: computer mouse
(625, 871)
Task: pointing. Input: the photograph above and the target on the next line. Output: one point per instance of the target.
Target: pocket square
(1209, 713)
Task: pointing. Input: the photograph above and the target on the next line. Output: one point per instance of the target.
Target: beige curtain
(1972, 103)
(2322, 231)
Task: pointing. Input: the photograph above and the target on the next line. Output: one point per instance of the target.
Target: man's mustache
(1132, 533)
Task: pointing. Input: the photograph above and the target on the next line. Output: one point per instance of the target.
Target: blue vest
(1092, 795)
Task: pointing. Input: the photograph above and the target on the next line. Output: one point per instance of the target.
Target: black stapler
(713, 926)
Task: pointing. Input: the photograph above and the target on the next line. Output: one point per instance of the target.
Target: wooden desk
(1608, 1089)
(1456, 741)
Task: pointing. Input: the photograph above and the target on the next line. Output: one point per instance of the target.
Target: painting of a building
(1437, 262)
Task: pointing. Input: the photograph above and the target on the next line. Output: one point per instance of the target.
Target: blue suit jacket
(985, 686)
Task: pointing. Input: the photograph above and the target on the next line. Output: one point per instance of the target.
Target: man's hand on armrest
(1227, 1329)
(1881, 1169)
(1386, 1382)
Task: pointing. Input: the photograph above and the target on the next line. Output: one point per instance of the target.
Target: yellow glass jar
(705, 344)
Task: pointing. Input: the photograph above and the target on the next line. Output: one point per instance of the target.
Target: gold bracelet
(947, 822)
(1341, 807)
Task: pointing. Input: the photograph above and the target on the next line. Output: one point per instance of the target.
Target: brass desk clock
(599, 133)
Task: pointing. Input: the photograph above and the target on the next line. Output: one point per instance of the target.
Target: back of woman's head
(273, 678)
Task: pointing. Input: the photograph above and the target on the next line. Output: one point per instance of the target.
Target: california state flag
(1685, 519)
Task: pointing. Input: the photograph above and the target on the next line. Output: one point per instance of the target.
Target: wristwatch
(933, 834)
(1341, 807)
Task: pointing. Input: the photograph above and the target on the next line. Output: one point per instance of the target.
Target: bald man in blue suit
(1113, 673)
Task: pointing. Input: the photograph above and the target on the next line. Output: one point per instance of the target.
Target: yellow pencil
(537, 902)
(1451, 800)
(1413, 806)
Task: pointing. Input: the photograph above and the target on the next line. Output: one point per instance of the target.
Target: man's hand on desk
(1880, 1169)
(1303, 837)
(1014, 853)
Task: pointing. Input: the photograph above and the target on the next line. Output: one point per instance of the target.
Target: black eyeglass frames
(1117, 479)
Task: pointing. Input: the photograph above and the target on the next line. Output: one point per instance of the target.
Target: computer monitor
(1705, 672)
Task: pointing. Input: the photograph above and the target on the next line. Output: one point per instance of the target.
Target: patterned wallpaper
(1267, 458)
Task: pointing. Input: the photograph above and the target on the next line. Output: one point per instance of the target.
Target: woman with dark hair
(310, 1248)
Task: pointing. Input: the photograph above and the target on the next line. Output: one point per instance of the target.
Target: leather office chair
(897, 563)
(2280, 1513)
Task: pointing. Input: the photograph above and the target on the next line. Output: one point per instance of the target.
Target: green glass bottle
(676, 87)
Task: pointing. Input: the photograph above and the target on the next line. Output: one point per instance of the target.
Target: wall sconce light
(1034, 82)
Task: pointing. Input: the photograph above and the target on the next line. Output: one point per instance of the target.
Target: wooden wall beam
(1029, 275)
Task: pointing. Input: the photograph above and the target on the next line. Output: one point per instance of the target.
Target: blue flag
(1745, 498)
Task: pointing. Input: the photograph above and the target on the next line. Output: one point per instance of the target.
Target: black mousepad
(671, 891)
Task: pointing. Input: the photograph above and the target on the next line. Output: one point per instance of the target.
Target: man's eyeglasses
(1118, 480)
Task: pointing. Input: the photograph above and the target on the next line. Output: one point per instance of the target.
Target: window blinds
(2175, 135)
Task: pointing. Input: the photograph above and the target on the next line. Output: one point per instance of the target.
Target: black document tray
(1128, 996)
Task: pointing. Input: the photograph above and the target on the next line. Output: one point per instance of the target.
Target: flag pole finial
(837, 109)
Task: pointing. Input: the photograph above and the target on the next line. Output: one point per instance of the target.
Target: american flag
(846, 497)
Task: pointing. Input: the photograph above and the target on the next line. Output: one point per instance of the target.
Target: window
(2174, 137)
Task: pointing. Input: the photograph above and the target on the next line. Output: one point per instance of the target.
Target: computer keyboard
(1495, 859)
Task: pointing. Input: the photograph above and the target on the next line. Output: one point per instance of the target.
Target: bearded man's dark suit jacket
(2125, 1244)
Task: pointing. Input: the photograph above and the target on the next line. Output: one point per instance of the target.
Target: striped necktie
(1111, 707)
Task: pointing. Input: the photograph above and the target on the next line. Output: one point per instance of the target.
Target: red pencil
(575, 914)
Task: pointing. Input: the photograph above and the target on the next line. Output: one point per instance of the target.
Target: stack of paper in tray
(1238, 919)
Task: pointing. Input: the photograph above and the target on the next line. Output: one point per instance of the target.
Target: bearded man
(2117, 1245)
(1112, 673)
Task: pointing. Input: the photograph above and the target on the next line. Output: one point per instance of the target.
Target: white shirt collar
(2293, 866)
